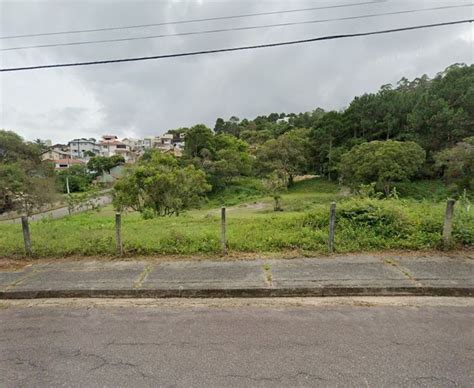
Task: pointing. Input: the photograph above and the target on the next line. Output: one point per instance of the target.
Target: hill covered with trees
(436, 114)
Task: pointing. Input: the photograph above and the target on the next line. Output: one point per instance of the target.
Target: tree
(382, 162)
(230, 164)
(457, 165)
(276, 183)
(41, 144)
(198, 139)
(102, 164)
(288, 154)
(220, 124)
(14, 149)
(160, 186)
(324, 136)
(26, 186)
(27, 183)
(78, 176)
(231, 127)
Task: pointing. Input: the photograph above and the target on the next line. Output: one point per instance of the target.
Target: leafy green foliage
(199, 142)
(382, 162)
(457, 165)
(78, 176)
(287, 154)
(102, 164)
(161, 186)
(13, 149)
(275, 184)
(27, 183)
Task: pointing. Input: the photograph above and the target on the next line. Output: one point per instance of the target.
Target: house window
(62, 165)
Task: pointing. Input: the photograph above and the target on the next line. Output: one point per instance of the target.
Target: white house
(78, 148)
(110, 145)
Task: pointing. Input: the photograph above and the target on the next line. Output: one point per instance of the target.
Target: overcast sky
(148, 98)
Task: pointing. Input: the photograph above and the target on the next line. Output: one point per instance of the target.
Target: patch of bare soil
(13, 264)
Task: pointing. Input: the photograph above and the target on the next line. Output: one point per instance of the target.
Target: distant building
(134, 144)
(150, 142)
(79, 148)
(110, 145)
(54, 154)
(61, 164)
(60, 147)
(164, 142)
(283, 120)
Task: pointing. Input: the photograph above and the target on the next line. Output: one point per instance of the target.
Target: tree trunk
(290, 180)
(276, 206)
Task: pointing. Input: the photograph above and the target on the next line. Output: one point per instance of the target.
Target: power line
(202, 52)
(238, 28)
(191, 20)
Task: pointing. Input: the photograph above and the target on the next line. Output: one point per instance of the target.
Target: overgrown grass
(240, 190)
(433, 190)
(362, 225)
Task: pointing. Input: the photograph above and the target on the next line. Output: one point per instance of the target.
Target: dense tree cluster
(434, 114)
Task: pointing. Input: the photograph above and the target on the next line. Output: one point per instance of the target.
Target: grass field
(363, 224)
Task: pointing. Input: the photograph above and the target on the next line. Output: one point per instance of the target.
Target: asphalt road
(101, 201)
(237, 344)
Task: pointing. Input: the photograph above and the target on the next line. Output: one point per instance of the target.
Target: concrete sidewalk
(325, 276)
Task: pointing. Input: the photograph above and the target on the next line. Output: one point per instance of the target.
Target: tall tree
(381, 162)
(198, 139)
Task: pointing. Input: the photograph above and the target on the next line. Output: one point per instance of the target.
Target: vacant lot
(363, 224)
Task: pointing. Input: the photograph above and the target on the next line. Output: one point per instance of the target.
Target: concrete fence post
(332, 226)
(118, 233)
(448, 222)
(26, 235)
(223, 232)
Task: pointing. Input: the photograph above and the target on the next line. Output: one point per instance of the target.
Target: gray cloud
(145, 98)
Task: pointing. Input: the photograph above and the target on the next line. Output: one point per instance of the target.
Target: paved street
(101, 201)
(360, 342)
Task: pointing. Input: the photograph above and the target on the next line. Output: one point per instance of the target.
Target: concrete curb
(241, 292)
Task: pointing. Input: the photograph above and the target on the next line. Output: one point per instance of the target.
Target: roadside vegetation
(391, 159)
(364, 223)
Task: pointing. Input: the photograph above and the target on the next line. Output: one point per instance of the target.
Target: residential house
(61, 164)
(150, 142)
(164, 142)
(110, 145)
(60, 147)
(134, 144)
(55, 154)
(80, 148)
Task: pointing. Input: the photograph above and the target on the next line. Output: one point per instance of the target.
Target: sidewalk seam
(403, 270)
(26, 276)
(146, 271)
